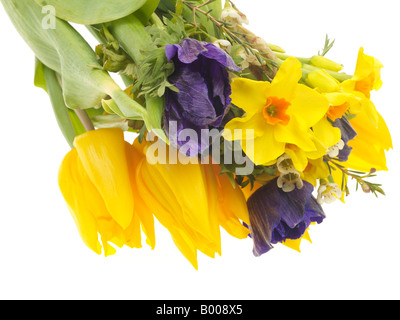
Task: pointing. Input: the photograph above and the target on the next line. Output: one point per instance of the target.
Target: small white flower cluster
(248, 58)
(233, 17)
(328, 193)
(333, 151)
(289, 177)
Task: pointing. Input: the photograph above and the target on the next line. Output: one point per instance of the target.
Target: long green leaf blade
(92, 11)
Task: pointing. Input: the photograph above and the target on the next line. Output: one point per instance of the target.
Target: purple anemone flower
(276, 216)
(348, 134)
(204, 88)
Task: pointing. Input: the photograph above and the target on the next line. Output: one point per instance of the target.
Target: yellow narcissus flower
(191, 201)
(367, 76)
(373, 137)
(371, 143)
(281, 112)
(94, 179)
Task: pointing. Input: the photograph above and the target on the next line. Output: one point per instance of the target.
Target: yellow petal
(376, 133)
(102, 153)
(295, 244)
(249, 95)
(232, 206)
(255, 123)
(187, 183)
(142, 211)
(287, 79)
(295, 133)
(316, 169)
(365, 156)
(80, 194)
(308, 106)
(154, 199)
(266, 147)
(213, 204)
(326, 134)
(298, 156)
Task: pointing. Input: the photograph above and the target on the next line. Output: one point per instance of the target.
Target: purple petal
(276, 216)
(187, 51)
(215, 53)
(348, 133)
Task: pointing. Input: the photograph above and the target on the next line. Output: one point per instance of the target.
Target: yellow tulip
(94, 179)
(192, 202)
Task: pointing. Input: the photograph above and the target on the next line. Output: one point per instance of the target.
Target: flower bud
(324, 63)
(366, 188)
(322, 81)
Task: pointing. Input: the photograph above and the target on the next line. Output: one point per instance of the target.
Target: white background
(355, 253)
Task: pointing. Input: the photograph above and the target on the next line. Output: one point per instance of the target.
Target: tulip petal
(73, 182)
(144, 214)
(182, 239)
(103, 156)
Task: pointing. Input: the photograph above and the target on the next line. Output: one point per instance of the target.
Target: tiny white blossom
(223, 44)
(328, 193)
(248, 59)
(289, 182)
(285, 164)
(333, 151)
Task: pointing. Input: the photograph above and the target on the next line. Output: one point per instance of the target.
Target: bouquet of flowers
(232, 131)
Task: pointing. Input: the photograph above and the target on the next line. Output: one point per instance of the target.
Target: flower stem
(307, 67)
(84, 118)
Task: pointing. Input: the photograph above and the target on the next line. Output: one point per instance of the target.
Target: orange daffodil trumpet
(301, 128)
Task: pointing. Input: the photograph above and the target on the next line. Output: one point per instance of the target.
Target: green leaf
(39, 79)
(60, 110)
(63, 50)
(216, 7)
(92, 11)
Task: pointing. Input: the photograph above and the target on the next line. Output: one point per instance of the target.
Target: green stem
(340, 76)
(284, 56)
(307, 68)
(132, 35)
(157, 21)
(84, 118)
